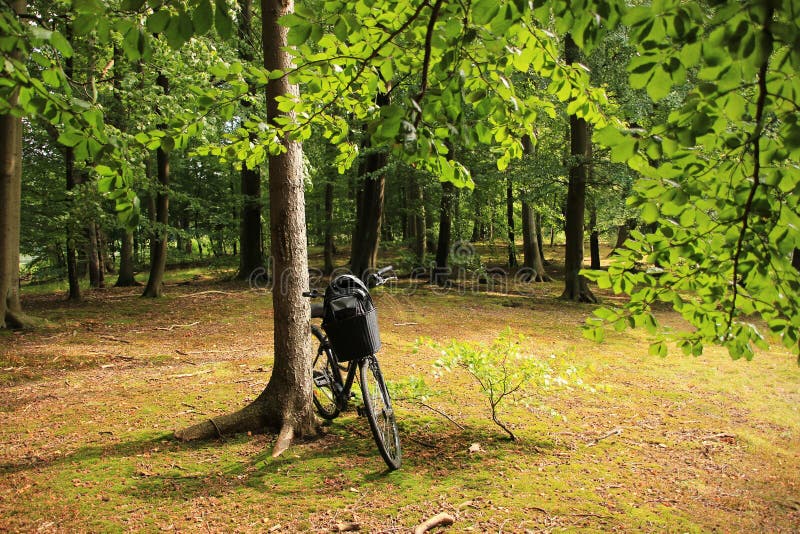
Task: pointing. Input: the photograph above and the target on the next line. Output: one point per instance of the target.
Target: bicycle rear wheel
(378, 407)
(326, 376)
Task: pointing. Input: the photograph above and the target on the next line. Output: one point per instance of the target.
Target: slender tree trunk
(11, 315)
(796, 259)
(539, 237)
(158, 249)
(366, 238)
(93, 256)
(69, 171)
(250, 228)
(512, 245)
(531, 245)
(328, 248)
(286, 402)
(575, 286)
(418, 218)
(441, 272)
(430, 244)
(72, 256)
(594, 239)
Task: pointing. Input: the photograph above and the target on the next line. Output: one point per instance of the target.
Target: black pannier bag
(350, 318)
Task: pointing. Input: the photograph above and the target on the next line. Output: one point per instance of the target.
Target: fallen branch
(616, 432)
(187, 375)
(442, 414)
(441, 519)
(212, 292)
(112, 338)
(405, 324)
(174, 326)
(190, 352)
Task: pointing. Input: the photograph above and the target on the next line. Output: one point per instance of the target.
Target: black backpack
(350, 318)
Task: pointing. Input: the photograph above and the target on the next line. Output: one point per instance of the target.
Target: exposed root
(284, 440)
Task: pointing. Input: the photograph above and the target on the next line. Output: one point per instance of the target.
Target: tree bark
(531, 245)
(367, 234)
(158, 249)
(441, 272)
(328, 248)
(594, 239)
(418, 219)
(11, 315)
(286, 402)
(575, 286)
(126, 276)
(73, 280)
(93, 256)
(251, 255)
(512, 245)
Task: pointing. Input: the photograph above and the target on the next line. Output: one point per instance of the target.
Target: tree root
(259, 416)
(16, 320)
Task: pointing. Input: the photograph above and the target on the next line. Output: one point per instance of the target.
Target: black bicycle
(350, 321)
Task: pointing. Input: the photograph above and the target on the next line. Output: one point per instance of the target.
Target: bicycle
(350, 345)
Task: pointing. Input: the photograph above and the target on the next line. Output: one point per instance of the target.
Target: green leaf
(157, 22)
(650, 213)
(203, 17)
(222, 20)
(483, 11)
(132, 5)
(61, 44)
(299, 34)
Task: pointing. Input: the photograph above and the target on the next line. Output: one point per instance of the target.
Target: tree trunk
(512, 245)
(366, 238)
(538, 218)
(796, 259)
(11, 315)
(69, 170)
(418, 219)
(328, 247)
(250, 253)
(158, 249)
(72, 257)
(441, 272)
(93, 256)
(594, 239)
(286, 402)
(126, 272)
(575, 286)
(531, 246)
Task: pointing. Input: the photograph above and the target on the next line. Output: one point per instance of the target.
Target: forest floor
(677, 444)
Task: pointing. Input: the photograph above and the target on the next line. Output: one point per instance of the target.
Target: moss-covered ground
(676, 444)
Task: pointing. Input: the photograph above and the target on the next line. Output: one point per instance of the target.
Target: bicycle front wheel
(378, 407)
(326, 376)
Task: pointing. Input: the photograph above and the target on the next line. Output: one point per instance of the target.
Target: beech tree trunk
(512, 245)
(575, 286)
(367, 234)
(418, 219)
(11, 315)
(251, 255)
(531, 245)
(286, 402)
(328, 249)
(441, 272)
(594, 239)
(126, 276)
(158, 248)
(93, 256)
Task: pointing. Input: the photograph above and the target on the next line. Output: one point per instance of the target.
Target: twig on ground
(191, 352)
(441, 519)
(187, 375)
(461, 427)
(616, 432)
(174, 326)
(212, 292)
(112, 338)
(405, 324)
